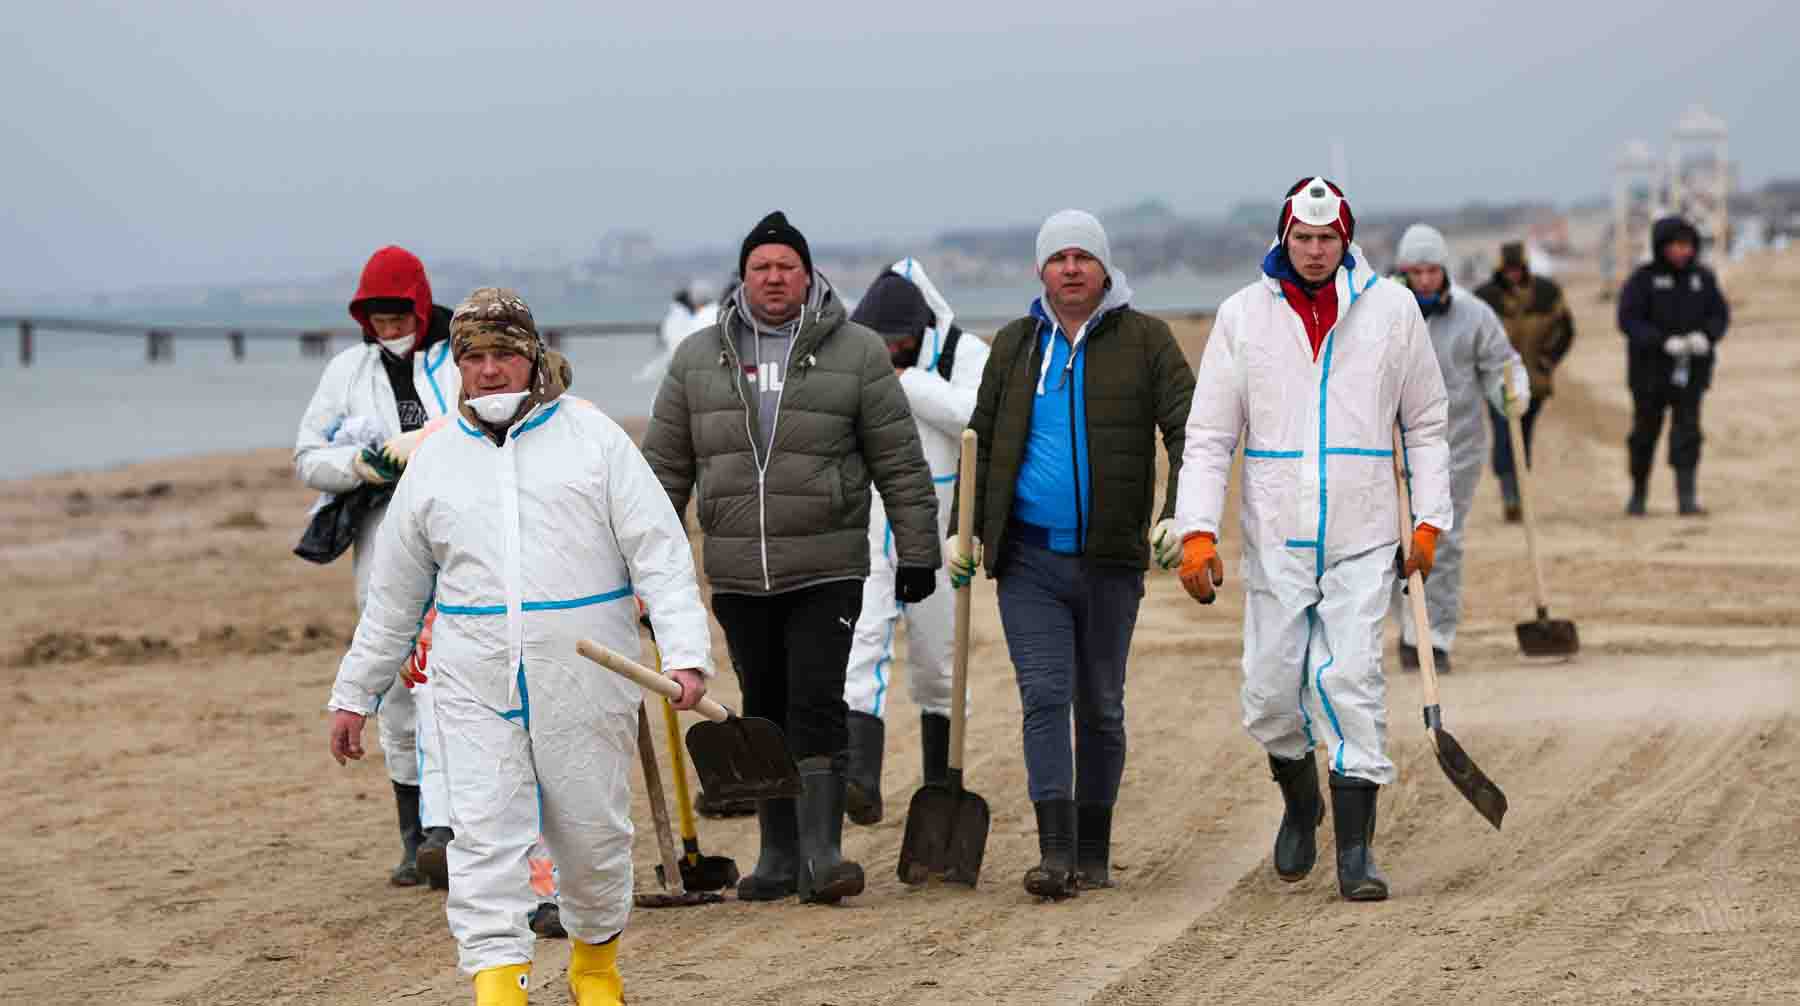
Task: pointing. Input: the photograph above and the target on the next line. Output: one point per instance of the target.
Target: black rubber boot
(778, 863)
(1296, 843)
(1093, 845)
(1409, 657)
(406, 799)
(1353, 818)
(826, 877)
(1687, 493)
(934, 748)
(1440, 660)
(1636, 506)
(546, 921)
(434, 857)
(1054, 876)
(862, 780)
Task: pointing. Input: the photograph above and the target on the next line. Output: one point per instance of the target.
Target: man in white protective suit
(1473, 355)
(939, 366)
(1311, 367)
(531, 521)
(372, 400)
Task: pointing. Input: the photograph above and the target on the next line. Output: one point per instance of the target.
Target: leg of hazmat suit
(1312, 657)
(560, 761)
(1443, 592)
(870, 670)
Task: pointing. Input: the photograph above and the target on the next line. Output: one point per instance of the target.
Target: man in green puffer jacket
(1071, 401)
(782, 493)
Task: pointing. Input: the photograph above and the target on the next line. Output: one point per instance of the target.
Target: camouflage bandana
(494, 318)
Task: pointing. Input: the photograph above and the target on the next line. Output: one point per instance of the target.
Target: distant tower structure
(1637, 200)
(1700, 175)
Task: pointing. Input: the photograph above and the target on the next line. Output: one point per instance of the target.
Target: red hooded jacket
(394, 272)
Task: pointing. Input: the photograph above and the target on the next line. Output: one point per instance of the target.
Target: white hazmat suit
(1472, 353)
(942, 409)
(1319, 512)
(355, 387)
(527, 548)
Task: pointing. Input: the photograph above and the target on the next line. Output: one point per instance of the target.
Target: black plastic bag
(334, 523)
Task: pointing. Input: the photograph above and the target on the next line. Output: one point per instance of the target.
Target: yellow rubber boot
(594, 974)
(502, 986)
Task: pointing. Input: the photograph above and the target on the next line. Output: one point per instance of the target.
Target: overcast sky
(149, 143)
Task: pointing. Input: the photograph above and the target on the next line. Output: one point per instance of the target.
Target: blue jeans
(1068, 628)
(1503, 455)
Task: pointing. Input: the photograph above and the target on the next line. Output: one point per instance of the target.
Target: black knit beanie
(774, 229)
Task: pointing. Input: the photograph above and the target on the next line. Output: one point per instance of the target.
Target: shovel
(946, 825)
(698, 872)
(1546, 636)
(673, 894)
(736, 757)
(1464, 774)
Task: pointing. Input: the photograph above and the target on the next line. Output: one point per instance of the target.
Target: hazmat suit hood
(1670, 229)
(904, 301)
(394, 272)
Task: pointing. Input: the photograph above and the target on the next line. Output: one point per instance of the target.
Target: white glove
(1520, 391)
(961, 566)
(1165, 544)
(1676, 345)
(1698, 344)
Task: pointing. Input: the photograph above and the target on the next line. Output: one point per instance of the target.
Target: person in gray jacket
(1474, 355)
(781, 489)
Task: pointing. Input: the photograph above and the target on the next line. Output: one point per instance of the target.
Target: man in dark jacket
(1070, 402)
(774, 420)
(1540, 326)
(1672, 316)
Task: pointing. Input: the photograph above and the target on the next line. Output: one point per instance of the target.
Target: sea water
(93, 401)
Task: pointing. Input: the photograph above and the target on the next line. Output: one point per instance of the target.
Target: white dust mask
(398, 348)
(498, 408)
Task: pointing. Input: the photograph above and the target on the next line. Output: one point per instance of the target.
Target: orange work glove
(1202, 571)
(413, 671)
(1424, 551)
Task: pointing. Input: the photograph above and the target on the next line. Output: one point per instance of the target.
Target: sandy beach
(176, 832)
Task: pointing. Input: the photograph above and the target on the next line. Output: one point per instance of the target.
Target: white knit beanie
(1073, 229)
(1423, 245)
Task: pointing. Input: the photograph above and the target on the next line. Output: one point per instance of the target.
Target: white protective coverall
(942, 409)
(528, 548)
(1319, 513)
(355, 384)
(1472, 352)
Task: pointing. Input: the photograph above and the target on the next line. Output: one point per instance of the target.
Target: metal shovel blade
(1468, 778)
(675, 899)
(946, 834)
(743, 758)
(1548, 637)
(706, 873)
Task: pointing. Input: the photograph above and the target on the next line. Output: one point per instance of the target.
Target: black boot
(1440, 660)
(862, 780)
(434, 857)
(1054, 876)
(1509, 498)
(1093, 845)
(1640, 496)
(934, 748)
(826, 877)
(778, 864)
(406, 799)
(708, 806)
(1296, 844)
(1353, 818)
(1409, 657)
(1687, 493)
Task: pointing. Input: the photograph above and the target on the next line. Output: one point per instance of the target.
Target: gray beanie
(1423, 245)
(1073, 229)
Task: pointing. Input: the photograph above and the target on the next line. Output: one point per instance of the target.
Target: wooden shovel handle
(1521, 476)
(1415, 584)
(965, 544)
(646, 678)
(659, 804)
